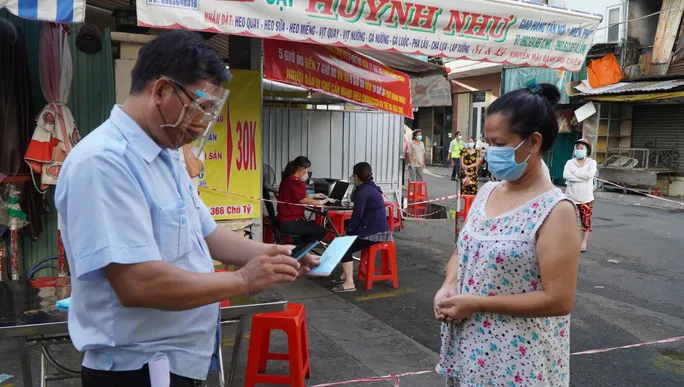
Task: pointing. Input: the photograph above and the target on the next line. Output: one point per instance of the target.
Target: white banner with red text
(498, 31)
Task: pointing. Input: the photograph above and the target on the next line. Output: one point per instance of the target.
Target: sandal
(337, 280)
(340, 289)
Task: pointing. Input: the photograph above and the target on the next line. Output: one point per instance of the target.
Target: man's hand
(307, 263)
(457, 308)
(442, 294)
(268, 269)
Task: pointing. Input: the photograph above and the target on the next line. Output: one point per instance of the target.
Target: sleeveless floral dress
(498, 256)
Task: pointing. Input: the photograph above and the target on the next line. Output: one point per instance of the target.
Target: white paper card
(587, 110)
(160, 372)
(332, 256)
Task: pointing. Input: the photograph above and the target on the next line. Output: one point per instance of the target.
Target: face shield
(197, 118)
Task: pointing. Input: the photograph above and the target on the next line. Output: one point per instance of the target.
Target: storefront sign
(499, 31)
(233, 153)
(432, 90)
(341, 72)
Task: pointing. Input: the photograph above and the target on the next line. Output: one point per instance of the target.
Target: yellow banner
(232, 156)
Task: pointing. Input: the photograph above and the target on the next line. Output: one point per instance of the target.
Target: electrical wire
(642, 17)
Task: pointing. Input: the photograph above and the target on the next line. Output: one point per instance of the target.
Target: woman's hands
(442, 294)
(450, 307)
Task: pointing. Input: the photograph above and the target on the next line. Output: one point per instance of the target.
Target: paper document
(332, 256)
(160, 372)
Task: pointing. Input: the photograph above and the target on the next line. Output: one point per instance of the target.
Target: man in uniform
(455, 148)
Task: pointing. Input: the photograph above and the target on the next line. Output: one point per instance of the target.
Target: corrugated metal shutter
(91, 100)
(559, 154)
(660, 127)
(334, 141)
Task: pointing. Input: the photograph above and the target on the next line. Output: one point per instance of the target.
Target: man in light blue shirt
(139, 241)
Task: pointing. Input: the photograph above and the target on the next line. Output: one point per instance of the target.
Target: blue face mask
(580, 153)
(469, 145)
(419, 138)
(501, 162)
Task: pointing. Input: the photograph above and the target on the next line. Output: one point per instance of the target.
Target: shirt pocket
(172, 230)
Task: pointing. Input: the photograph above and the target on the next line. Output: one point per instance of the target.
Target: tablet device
(302, 249)
(332, 256)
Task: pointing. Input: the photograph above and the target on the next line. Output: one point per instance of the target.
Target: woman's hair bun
(550, 92)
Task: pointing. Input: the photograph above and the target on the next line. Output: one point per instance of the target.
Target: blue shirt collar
(139, 140)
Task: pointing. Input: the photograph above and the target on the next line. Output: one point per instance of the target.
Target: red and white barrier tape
(601, 350)
(397, 377)
(316, 206)
(639, 192)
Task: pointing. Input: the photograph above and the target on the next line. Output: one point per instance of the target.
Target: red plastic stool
(388, 265)
(293, 323)
(393, 216)
(467, 203)
(417, 210)
(417, 192)
(338, 217)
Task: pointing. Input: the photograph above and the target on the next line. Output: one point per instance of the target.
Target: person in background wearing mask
(368, 223)
(470, 167)
(579, 174)
(140, 242)
(292, 189)
(479, 142)
(484, 144)
(404, 150)
(455, 148)
(416, 155)
(510, 285)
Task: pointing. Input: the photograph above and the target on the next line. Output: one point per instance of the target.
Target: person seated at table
(368, 223)
(293, 190)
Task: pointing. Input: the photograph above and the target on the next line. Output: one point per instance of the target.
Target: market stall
(43, 101)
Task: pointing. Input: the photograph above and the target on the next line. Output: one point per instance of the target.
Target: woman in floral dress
(510, 285)
(470, 166)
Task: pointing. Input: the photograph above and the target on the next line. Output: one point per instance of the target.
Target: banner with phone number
(341, 72)
(233, 153)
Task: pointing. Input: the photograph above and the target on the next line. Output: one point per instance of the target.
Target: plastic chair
(463, 214)
(337, 218)
(388, 265)
(293, 323)
(417, 192)
(393, 216)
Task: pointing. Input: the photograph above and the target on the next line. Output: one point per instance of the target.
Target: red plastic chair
(463, 214)
(388, 265)
(393, 216)
(338, 217)
(417, 192)
(293, 323)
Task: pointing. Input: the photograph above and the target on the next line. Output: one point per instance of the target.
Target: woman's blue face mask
(580, 153)
(501, 162)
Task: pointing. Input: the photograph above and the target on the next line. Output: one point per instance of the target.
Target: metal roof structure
(580, 89)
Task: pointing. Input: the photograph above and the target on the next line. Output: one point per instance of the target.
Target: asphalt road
(629, 291)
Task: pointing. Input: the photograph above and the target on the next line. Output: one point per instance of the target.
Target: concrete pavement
(629, 291)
